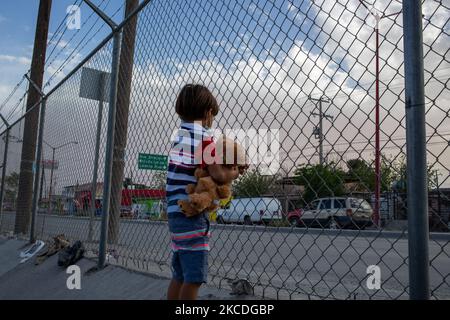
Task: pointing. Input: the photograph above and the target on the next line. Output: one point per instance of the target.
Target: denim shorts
(190, 266)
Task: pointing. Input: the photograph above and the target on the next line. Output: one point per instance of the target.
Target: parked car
(250, 211)
(337, 212)
(293, 217)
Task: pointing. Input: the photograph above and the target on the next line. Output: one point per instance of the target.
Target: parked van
(250, 211)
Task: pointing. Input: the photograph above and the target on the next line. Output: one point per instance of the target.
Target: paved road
(282, 262)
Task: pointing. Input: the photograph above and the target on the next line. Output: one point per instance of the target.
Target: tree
(400, 170)
(328, 180)
(159, 180)
(363, 173)
(253, 184)
(320, 180)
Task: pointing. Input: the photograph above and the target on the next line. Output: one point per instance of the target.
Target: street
(280, 262)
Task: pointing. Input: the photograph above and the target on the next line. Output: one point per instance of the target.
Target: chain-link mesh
(69, 197)
(302, 222)
(11, 182)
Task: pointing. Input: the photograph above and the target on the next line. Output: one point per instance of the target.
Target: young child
(196, 107)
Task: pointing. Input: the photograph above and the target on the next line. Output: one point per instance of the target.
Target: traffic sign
(94, 84)
(148, 161)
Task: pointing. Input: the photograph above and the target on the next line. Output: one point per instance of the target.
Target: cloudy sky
(262, 59)
(65, 47)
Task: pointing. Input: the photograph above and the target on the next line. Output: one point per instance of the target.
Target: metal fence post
(117, 39)
(5, 159)
(96, 158)
(416, 152)
(37, 170)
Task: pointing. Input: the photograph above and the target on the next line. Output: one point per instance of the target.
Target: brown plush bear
(206, 192)
(203, 194)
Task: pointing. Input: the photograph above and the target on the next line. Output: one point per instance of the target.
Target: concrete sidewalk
(48, 281)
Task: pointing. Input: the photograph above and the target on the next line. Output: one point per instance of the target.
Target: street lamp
(51, 172)
(377, 17)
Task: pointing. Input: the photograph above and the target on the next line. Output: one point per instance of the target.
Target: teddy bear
(205, 194)
(202, 196)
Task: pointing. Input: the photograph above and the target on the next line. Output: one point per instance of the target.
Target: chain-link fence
(297, 78)
(12, 139)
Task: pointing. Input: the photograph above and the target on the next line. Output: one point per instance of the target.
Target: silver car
(337, 213)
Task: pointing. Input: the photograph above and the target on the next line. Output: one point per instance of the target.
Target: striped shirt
(186, 233)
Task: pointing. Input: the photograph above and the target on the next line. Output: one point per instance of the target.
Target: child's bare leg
(189, 291)
(173, 293)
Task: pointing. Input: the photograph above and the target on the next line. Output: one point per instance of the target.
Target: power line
(73, 36)
(384, 148)
(71, 57)
(445, 133)
(345, 95)
(68, 42)
(23, 78)
(61, 34)
(342, 153)
(11, 113)
(12, 93)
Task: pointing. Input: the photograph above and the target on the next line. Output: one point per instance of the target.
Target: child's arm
(217, 172)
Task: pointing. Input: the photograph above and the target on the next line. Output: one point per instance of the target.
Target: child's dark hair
(194, 101)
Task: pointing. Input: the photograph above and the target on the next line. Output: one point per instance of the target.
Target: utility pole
(25, 190)
(121, 123)
(318, 131)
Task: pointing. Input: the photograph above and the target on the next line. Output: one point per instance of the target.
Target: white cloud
(273, 91)
(62, 44)
(12, 109)
(58, 69)
(253, 88)
(13, 68)
(15, 59)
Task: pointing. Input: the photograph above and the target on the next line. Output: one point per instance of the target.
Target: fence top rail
(23, 116)
(82, 62)
(100, 45)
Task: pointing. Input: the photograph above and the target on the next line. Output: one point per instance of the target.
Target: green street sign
(148, 161)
